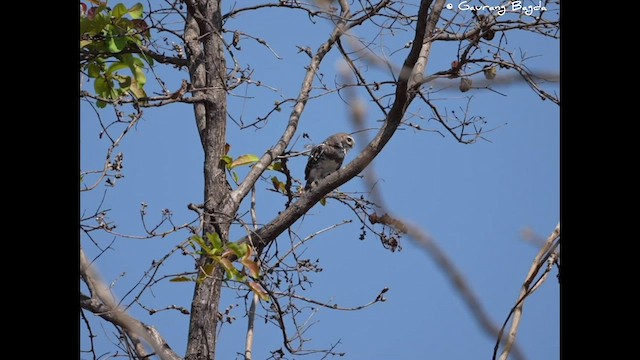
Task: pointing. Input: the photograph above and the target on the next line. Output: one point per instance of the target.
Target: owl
(327, 157)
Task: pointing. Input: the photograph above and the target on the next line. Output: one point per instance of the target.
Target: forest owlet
(327, 157)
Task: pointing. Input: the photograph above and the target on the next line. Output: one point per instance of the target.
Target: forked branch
(102, 303)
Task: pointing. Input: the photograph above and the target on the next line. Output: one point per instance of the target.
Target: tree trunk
(207, 69)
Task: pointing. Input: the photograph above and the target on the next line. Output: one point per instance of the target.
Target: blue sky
(474, 200)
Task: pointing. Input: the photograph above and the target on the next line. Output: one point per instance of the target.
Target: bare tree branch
(547, 254)
(281, 4)
(379, 298)
(425, 241)
(140, 49)
(161, 58)
(248, 352)
(307, 85)
(91, 335)
(103, 303)
(109, 165)
(270, 231)
(154, 101)
(452, 272)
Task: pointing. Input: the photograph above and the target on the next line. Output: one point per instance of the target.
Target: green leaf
(240, 250)
(125, 26)
(259, 290)
(279, 185)
(119, 11)
(215, 240)
(181, 279)
(227, 160)
(244, 160)
(136, 11)
(252, 266)
(208, 269)
(200, 241)
(138, 92)
(197, 239)
(323, 201)
(236, 178)
(98, 2)
(137, 68)
(115, 93)
(276, 166)
(116, 43)
(137, 62)
(276, 183)
(127, 59)
(232, 272)
(95, 22)
(138, 73)
(84, 43)
(94, 69)
(125, 83)
(102, 87)
(116, 66)
(101, 104)
(84, 25)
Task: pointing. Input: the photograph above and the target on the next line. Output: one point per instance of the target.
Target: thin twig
(104, 304)
(455, 276)
(114, 145)
(418, 235)
(379, 298)
(91, 335)
(546, 254)
(248, 352)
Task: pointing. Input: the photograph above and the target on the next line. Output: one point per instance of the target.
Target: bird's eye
(349, 140)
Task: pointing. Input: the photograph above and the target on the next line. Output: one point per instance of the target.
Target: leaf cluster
(214, 249)
(109, 40)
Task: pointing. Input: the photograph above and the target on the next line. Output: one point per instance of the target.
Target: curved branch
(379, 298)
(307, 85)
(115, 143)
(546, 254)
(142, 50)
(103, 304)
(280, 4)
(161, 58)
(453, 273)
(155, 101)
(341, 27)
(279, 312)
(415, 59)
(499, 27)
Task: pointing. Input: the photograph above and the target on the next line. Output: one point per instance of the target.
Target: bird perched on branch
(327, 157)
